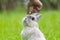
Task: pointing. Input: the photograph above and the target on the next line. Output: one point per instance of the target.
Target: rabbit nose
(26, 19)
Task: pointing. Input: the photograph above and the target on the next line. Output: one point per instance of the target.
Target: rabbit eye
(33, 18)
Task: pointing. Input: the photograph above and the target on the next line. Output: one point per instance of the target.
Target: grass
(11, 26)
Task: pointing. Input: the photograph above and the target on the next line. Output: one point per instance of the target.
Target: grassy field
(11, 26)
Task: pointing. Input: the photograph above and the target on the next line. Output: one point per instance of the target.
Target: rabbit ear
(38, 15)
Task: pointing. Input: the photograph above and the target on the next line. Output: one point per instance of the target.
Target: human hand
(28, 12)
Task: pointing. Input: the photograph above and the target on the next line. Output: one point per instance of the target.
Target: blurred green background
(12, 12)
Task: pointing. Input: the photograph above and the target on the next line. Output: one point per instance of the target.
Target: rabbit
(31, 30)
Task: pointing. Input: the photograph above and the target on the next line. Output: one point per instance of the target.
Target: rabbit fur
(31, 30)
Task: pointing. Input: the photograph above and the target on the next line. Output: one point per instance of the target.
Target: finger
(29, 12)
(34, 11)
(38, 8)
